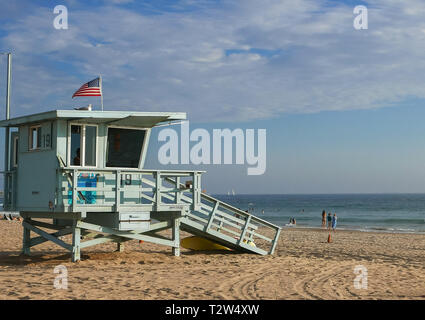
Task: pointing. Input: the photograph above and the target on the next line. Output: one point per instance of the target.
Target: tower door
(12, 182)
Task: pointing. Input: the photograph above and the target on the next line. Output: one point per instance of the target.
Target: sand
(304, 266)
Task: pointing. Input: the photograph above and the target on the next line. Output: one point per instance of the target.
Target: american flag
(90, 89)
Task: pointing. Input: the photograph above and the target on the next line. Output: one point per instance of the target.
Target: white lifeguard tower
(84, 170)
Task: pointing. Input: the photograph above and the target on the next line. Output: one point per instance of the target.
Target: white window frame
(82, 145)
(141, 151)
(30, 138)
(15, 151)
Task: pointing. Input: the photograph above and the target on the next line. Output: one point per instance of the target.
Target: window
(90, 148)
(124, 147)
(15, 151)
(83, 146)
(76, 145)
(35, 138)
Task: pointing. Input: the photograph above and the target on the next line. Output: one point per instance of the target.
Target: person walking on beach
(329, 221)
(334, 219)
(323, 219)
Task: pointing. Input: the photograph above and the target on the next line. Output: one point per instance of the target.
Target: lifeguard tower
(84, 170)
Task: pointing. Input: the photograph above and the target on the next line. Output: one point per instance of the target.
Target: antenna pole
(9, 73)
(7, 135)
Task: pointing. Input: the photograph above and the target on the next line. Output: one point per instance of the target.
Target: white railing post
(158, 196)
(58, 188)
(275, 240)
(178, 193)
(210, 221)
(117, 190)
(176, 236)
(74, 189)
(245, 228)
(196, 192)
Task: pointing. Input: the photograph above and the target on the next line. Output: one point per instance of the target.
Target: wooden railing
(118, 190)
(114, 190)
(232, 224)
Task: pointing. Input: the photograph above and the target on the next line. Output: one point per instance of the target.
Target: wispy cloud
(228, 61)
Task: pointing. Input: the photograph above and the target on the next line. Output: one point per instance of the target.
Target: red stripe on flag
(92, 91)
(86, 91)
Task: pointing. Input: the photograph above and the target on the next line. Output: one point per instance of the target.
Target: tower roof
(121, 118)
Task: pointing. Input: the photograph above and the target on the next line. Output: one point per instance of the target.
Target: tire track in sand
(322, 284)
(244, 286)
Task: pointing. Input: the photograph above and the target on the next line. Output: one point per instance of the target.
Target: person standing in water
(323, 219)
(329, 221)
(334, 219)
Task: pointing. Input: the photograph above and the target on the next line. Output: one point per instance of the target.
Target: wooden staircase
(225, 224)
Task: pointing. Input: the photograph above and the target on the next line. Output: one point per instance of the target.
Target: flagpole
(101, 91)
(7, 132)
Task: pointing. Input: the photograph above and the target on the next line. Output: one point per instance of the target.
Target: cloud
(235, 61)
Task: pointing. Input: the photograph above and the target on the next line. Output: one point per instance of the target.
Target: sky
(343, 108)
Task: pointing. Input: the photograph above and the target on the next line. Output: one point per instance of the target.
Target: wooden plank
(53, 215)
(158, 191)
(97, 241)
(26, 241)
(212, 216)
(244, 230)
(47, 236)
(235, 242)
(87, 234)
(176, 237)
(46, 225)
(275, 241)
(68, 175)
(165, 215)
(251, 226)
(255, 234)
(39, 240)
(74, 189)
(130, 235)
(204, 221)
(228, 206)
(192, 223)
(240, 227)
(222, 213)
(223, 239)
(159, 226)
(111, 189)
(223, 221)
(76, 239)
(178, 193)
(117, 190)
(218, 226)
(167, 173)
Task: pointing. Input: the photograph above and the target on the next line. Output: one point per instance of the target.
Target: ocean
(365, 212)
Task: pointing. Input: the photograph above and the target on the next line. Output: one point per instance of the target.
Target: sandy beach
(304, 266)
